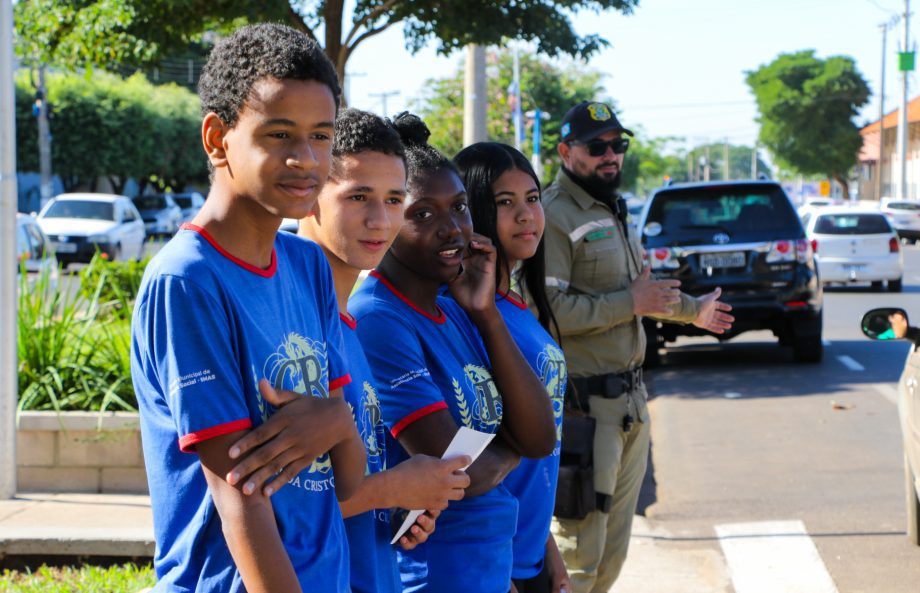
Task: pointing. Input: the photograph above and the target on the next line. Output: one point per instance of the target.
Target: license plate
(731, 259)
(65, 247)
(854, 267)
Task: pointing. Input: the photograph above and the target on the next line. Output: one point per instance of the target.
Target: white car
(855, 245)
(905, 216)
(34, 251)
(80, 224)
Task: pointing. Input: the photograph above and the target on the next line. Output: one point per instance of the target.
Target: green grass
(127, 578)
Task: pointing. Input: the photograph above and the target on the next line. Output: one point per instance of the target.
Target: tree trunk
(844, 186)
(118, 184)
(332, 17)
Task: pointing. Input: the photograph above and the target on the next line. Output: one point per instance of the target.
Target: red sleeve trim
(417, 415)
(340, 382)
(267, 273)
(187, 443)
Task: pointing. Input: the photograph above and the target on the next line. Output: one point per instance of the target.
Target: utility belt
(608, 386)
(575, 494)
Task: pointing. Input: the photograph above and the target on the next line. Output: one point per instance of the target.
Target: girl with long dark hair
(442, 363)
(504, 195)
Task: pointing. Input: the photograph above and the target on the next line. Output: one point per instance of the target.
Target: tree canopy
(116, 128)
(550, 86)
(106, 33)
(807, 106)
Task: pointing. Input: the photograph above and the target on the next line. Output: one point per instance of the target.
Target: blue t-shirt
(424, 364)
(206, 328)
(373, 559)
(533, 481)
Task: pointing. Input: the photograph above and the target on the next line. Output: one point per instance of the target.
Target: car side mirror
(886, 323)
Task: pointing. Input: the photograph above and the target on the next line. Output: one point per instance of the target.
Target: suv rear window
(903, 205)
(851, 224)
(150, 202)
(742, 212)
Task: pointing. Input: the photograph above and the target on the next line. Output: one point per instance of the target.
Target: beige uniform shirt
(589, 268)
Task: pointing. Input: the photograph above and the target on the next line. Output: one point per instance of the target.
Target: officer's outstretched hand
(474, 287)
(713, 314)
(653, 297)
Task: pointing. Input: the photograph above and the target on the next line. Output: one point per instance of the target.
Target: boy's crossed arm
(248, 524)
(301, 430)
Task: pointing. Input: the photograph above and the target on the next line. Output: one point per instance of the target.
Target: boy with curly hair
(235, 323)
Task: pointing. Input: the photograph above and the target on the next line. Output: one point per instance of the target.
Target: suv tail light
(781, 251)
(663, 258)
(805, 250)
(893, 245)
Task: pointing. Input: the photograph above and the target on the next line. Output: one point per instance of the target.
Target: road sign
(824, 188)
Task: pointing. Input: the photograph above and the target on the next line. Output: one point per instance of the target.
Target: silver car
(893, 324)
(34, 251)
(904, 216)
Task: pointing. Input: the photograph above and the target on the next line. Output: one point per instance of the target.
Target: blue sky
(676, 67)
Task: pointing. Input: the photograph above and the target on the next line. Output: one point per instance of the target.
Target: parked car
(745, 237)
(889, 324)
(855, 244)
(190, 202)
(904, 216)
(161, 215)
(33, 250)
(79, 224)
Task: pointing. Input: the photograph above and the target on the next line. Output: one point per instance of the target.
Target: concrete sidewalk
(121, 525)
(76, 525)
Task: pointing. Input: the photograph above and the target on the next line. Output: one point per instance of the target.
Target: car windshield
(903, 205)
(183, 201)
(92, 209)
(742, 212)
(851, 224)
(150, 202)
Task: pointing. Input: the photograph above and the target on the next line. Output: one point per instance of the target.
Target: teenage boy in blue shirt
(233, 316)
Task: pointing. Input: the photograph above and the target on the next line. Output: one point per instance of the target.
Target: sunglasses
(599, 147)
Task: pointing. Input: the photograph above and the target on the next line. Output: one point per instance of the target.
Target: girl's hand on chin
(474, 287)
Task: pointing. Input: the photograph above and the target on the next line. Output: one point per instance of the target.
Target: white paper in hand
(466, 442)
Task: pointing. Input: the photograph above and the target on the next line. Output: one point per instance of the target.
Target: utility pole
(516, 115)
(8, 203)
(347, 90)
(905, 65)
(881, 113)
(706, 165)
(726, 171)
(383, 98)
(690, 167)
(475, 96)
(754, 162)
(536, 160)
(44, 138)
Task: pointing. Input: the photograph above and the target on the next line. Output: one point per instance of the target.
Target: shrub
(70, 357)
(116, 281)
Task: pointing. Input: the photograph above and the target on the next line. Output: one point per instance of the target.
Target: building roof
(891, 118)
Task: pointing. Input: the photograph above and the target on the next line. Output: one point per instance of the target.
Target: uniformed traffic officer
(599, 290)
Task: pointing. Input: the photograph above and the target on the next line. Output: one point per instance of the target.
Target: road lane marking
(850, 363)
(773, 557)
(888, 392)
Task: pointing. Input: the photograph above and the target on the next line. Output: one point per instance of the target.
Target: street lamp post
(8, 199)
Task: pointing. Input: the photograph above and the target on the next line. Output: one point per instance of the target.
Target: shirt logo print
(300, 365)
(553, 373)
(487, 406)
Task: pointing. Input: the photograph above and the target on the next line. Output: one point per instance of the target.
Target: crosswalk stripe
(773, 557)
(850, 363)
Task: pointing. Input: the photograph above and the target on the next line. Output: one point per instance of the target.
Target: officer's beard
(598, 187)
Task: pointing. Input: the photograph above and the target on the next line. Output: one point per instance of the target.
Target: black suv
(745, 237)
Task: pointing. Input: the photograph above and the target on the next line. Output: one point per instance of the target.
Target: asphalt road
(774, 476)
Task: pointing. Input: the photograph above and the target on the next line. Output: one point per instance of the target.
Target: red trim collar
(510, 298)
(441, 318)
(267, 273)
(340, 382)
(348, 319)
